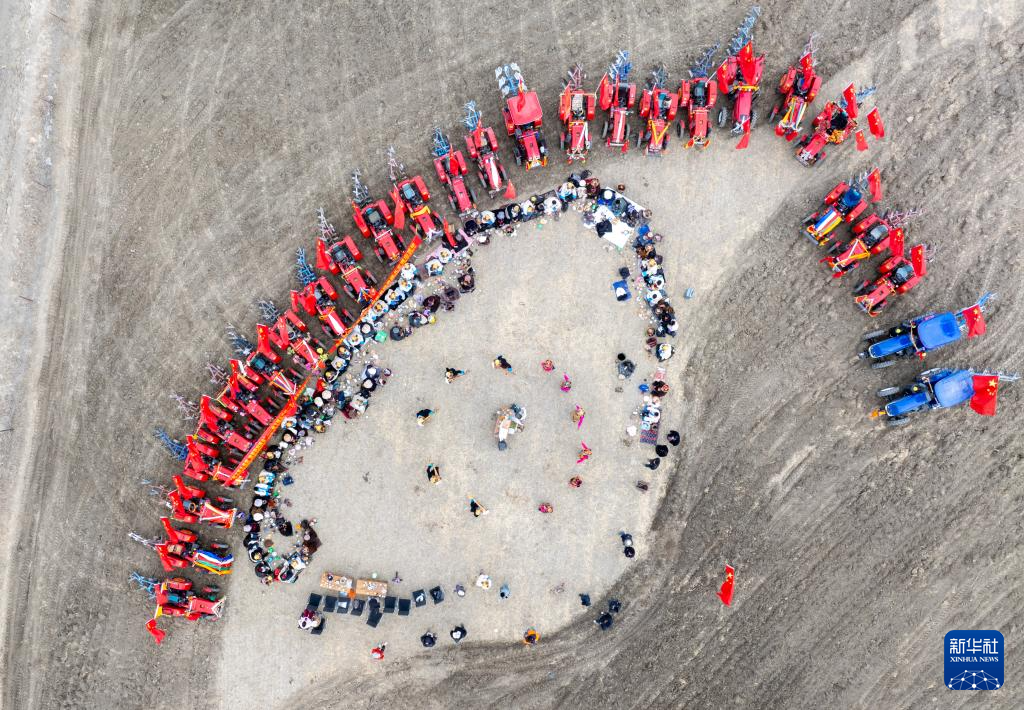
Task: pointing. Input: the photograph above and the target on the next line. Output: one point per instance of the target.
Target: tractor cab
(525, 110)
(839, 121)
(876, 235)
(699, 95)
(902, 274)
(849, 201)
(374, 218)
(410, 194)
(954, 389)
(935, 332)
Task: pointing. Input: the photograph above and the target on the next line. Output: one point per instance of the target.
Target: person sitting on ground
(466, 282)
(673, 438)
(501, 363)
(433, 473)
(604, 621)
(505, 592)
(378, 651)
(531, 637)
(428, 639)
(661, 450)
(476, 509)
(458, 633)
(653, 463)
(310, 620)
(451, 374)
(423, 415)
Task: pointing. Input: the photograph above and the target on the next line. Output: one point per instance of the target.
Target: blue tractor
(941, 388)
(923, 334)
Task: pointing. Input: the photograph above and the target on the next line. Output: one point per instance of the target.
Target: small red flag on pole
(725, 592)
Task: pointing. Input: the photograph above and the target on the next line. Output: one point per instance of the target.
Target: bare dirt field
(162, 161)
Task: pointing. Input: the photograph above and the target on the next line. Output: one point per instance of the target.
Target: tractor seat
(876, 234)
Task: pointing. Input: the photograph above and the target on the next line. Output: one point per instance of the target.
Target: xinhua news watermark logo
(973, 660)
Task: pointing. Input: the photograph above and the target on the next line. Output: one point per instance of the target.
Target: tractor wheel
(639, 139)
(862, 288)
(835, 249)
(887, 392)
(210, 592)
(679, 129)
(451, 202)
(349, 291)
(753, 119)
(629, 133)
(483, 179)
(604, 130)
(773, 114)
(519, 156)
(723, 115)
(898, 421)
(881, 364)
(561, 140)
(872, 335)
(472, 195)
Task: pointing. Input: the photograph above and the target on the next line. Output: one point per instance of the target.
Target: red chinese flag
(158, 634)
(399, 210)
(896, 242)
(875, 124)
(986, 390)
(919, 259)
(850, 94)
(725, 592)
(875, 184)
(323, 261)
(975, 321)
(862, 142)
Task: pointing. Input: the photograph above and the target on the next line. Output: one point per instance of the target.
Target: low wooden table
(371, 588)
(336, 582)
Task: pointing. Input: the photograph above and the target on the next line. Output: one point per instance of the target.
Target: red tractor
(523, 117)
(837, 122)
(844, 204)
(451, 170)
(798, 86)
(482, 146)
(411, 197)
(374, 221)
(658, 105)
(181, 549)
(176, 597)
(871, 236)
(576, 110)
(697, 97)
(896, 275)
(739, 77)
(359, 284)
(617, 96)
(191, 505)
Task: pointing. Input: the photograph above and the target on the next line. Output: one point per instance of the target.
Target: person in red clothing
(378, 651)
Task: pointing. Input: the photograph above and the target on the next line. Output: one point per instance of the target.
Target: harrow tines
(302, 267)
(145, 584)
(702, 67)
(472, 118)
(442, 146)
(658, 78)
(621, 67)
(396, 170)
(810, 47)
(745, 31)
(898, 219)
(360, 192)
(576, 77)
(327, 230)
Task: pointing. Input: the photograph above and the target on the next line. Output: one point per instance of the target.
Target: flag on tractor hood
(986, 390)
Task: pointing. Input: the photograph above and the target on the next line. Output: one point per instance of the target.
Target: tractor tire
(518, 155)
(898, 421)
(882, 364)
(679, 129)
(835, 249)
(483, 179)
(561, 141)
(629, 133)
(472, 195)
(872, 335)
(862, 288)
(604, 130)
(350, 292)
(723, 115)
(887, 392)
(775, 112)
(753, 119)
(639, 139)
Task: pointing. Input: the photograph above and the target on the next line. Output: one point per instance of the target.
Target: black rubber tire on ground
(679, 129)
(639, 139)
(881, 364)
(604, 130)
(898, 421)
(472, 195)
(861, 289)
(561, 140)
(723, 115)
(887, 392)
(518, 155)
(774, 113)
(483, 178)
(835, 249)
(753, 119)
(628, 134)
(872, 334)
